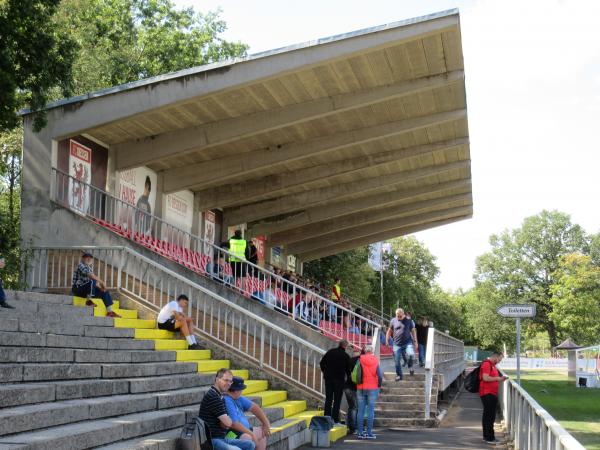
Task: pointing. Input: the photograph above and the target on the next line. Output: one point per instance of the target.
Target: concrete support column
(158, 207)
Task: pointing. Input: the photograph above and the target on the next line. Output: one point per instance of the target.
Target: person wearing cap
(86, 284)
(240, 428)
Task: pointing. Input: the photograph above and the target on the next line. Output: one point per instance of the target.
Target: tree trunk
(552, 334)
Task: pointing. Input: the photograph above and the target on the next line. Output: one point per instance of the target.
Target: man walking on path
(489, 382)
(335, 364)
(350, 391)
(422, 331)
(405, 340)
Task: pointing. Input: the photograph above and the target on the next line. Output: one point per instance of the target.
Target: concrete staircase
(401, 403)
(71, 378)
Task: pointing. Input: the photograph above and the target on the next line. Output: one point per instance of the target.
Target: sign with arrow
(516, 310)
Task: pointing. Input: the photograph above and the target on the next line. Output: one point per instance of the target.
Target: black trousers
(334, 389)
(490, 403)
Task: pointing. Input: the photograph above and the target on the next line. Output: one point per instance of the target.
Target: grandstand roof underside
(322, 146)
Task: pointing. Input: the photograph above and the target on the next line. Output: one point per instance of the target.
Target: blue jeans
(366, 399)
(421, 354)
(399, 353)
(232, 444)
(2, 294)
(90, 288)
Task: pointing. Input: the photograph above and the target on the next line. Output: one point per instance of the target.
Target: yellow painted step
(170, 344)
(253, 386)
(192, 355)
(338, 432)
(242, 373)
(290, 407)
(153, 334)
(212, 365)
(306, 415)
(271, 397)
(100, 311)
(287, 424)
(80, 301)
(134, 323)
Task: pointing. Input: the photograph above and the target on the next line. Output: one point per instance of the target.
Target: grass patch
(577, 409)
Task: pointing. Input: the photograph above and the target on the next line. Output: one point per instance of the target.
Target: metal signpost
(518, 311)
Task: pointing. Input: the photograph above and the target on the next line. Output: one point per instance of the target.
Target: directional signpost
(518, 311)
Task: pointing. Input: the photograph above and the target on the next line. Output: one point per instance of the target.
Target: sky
(532, 74)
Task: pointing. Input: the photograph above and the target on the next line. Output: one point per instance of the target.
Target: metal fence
(209, 260)
(248, 335)
(529, 425)
(444, 357)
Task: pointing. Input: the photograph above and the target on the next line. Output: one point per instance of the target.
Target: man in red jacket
(489, 383)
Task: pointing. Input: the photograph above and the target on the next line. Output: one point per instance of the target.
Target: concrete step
(96, 433)
(45, 415)
(59, 355)
(58, 324)
(22, 296)
(384, 422)
(31, 393)
(268, 398)
(22, 339)
(401, 413)
(166, 440)
(418, 376)
(14, 373)
(406, 383)
(392, 389)
(410, 397)
(401, 400)
(24, 307)
(413, 406)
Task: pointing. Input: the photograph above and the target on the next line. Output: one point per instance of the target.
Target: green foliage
(576, 299)
(356, 275)
(35, 57)
(122, 41)
(522, 263)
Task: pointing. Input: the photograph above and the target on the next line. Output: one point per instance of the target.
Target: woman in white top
(171, 318)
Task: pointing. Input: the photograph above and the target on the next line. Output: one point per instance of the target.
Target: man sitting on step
(172, 318)
(240, 428)
(214, 414)
(86, 284)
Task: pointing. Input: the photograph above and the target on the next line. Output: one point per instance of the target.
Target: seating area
(252, 288)
(71, 378)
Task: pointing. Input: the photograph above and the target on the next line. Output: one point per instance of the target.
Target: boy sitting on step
(171, 318)
(86, 284)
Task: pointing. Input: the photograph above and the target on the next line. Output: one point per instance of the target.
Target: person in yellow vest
(336, 297)
(238, 248)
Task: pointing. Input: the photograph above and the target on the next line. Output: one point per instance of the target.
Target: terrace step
(404, 422)
(62, 355)
(96, 433)
(34, 417)
(268, 398)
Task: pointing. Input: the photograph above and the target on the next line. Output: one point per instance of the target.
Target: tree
(121, 41)
(35, 57)
(522, 263)
(350, 266)
(576, 299)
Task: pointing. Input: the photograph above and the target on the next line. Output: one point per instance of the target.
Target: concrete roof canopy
(322, 146)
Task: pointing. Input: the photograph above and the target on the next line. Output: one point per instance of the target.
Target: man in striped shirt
(214, 414)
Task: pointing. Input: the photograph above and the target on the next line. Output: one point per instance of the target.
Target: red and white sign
(261, 244)
(80, 169)
(209, 231)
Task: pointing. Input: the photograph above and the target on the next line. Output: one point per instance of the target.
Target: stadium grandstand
(308, 151)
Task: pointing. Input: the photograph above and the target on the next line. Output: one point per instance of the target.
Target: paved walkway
(460, 430)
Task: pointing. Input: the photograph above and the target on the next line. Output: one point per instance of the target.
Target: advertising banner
(80, 168)
(137, 187)
(276, 259)
(209, 231)
(291, 263)
(179, 212)
(261, 244)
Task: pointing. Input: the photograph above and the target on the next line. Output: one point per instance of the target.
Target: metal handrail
(49, 268)
(445, 357)
(529, 425)
(104, 206)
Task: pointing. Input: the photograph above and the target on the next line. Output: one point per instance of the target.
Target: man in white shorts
(171, 318)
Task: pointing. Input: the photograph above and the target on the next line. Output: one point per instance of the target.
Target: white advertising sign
(137, 187)
(179, 210)
(80, 168)
(291, 262)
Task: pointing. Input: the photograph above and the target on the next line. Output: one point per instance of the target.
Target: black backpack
(472, 380)
(194, 436)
